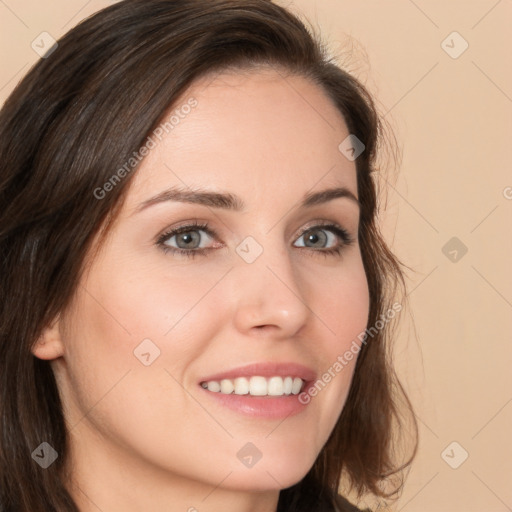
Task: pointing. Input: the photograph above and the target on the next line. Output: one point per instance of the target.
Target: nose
(270, 295)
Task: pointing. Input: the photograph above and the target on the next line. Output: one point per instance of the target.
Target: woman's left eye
(186, 240)
(316, 235)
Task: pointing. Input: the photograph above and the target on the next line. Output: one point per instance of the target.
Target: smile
(256, 386)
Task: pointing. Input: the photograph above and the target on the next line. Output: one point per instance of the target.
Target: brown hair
(81, 113)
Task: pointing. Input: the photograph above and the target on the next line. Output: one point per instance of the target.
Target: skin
(146, 437)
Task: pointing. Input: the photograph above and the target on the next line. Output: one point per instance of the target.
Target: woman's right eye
(186, 240)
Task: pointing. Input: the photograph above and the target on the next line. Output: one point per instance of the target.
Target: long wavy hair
(84, 111)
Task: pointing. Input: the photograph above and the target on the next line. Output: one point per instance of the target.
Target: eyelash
(342, 233)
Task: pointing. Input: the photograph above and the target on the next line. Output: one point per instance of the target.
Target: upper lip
(265, 369)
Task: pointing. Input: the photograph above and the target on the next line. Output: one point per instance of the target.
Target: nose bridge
(268, 290)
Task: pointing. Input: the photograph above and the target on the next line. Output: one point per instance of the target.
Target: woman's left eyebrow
(324, 196)
(228, 201)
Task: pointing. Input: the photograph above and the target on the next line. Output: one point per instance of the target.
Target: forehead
(247, 131)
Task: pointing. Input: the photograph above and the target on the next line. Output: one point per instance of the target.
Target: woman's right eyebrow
(229, 201)
(204, 197)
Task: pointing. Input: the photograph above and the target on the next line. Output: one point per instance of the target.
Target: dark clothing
(345, 506)
(309, 496)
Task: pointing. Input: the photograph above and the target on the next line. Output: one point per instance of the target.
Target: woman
(196, 298)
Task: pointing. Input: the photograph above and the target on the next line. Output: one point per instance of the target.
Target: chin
(271, 476)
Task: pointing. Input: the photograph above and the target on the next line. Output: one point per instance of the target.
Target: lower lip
(271, 407)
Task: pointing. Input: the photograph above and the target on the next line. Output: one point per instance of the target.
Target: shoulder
(343, 505)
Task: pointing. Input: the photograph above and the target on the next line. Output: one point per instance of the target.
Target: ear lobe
(49, 345)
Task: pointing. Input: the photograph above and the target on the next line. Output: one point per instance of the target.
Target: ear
(50, 345)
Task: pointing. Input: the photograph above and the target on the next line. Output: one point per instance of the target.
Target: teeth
(276, 386)
(213, 386)
(241, 386)
(256, 386)
(297, 384)
(288, 384)
(226, 386)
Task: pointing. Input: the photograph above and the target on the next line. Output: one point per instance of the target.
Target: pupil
(187, 238)
(315, 239)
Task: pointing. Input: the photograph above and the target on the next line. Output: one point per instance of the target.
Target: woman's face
(158, 314)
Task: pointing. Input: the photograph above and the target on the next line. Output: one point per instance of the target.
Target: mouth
(262, 390)
(256, 385)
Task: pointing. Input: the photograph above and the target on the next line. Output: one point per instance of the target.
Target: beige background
(453, 120)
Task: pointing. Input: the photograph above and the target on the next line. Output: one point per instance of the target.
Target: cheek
(153, 301)
(119, 322)
(124, 318)
(344, 307)
(129, 302)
